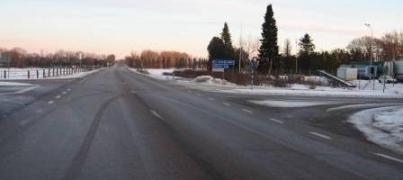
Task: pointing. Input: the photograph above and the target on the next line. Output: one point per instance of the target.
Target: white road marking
(247, 111)
(58, 97)
(156, 114)
(27, 89)
(320, 135)
(23, 123)
(22, 91)
(69, 89)
(64, 92)
(388, 157)
(227, 104)
(51, 102)
(133, 92)
(198, 94)
(276, 121)
(39, 111)
(211, 99)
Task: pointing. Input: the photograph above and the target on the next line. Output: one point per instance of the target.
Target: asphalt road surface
(117, 124)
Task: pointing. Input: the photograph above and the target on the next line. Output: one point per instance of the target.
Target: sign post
(253, 69)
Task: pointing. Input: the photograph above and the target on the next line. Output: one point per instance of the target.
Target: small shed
(347, 73)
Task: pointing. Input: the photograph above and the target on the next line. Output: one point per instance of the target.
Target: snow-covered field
(36, 73)
(383, 126)
(212, 84)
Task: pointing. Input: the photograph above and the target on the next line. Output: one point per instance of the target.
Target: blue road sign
(223, 61)
(220, 66)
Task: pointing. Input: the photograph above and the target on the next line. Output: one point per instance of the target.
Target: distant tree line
(164, 59)
(387, 48)
(20, 58)
(307, 60)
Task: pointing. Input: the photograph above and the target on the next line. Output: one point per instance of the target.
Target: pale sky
(123, 26)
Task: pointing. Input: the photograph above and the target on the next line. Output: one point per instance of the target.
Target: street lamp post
(369, 26)
(296, 57)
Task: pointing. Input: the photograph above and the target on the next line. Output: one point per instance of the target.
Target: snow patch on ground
(156, 73)
(325, 92)
(368, 85)
(211, 80)
(383, 126)
(209, 83)
(13, 84)
(288, 104)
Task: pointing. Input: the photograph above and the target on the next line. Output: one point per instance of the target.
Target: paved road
(117, 124)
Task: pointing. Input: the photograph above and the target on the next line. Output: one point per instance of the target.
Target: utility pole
(296, 56)
(9, 64)
(240, 52)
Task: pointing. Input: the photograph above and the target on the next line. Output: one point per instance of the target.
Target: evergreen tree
(226, 38)
(268, 52)
(306, 45)
(216, 50)
(306, 54)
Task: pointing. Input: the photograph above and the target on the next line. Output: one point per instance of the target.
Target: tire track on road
(78, 161)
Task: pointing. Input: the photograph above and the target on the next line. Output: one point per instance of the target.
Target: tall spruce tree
(306, 53)
(226, 38)
(306, 45)
(268, 53)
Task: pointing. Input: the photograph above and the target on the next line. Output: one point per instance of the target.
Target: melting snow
(383, 126)
(289, 104)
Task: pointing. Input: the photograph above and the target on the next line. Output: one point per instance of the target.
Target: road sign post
(253, 67)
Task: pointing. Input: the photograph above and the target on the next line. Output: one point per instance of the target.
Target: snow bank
(211, 81)
(156, 73)
(383, 126)
(325, 92)
(369, 85)
(289, 104)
